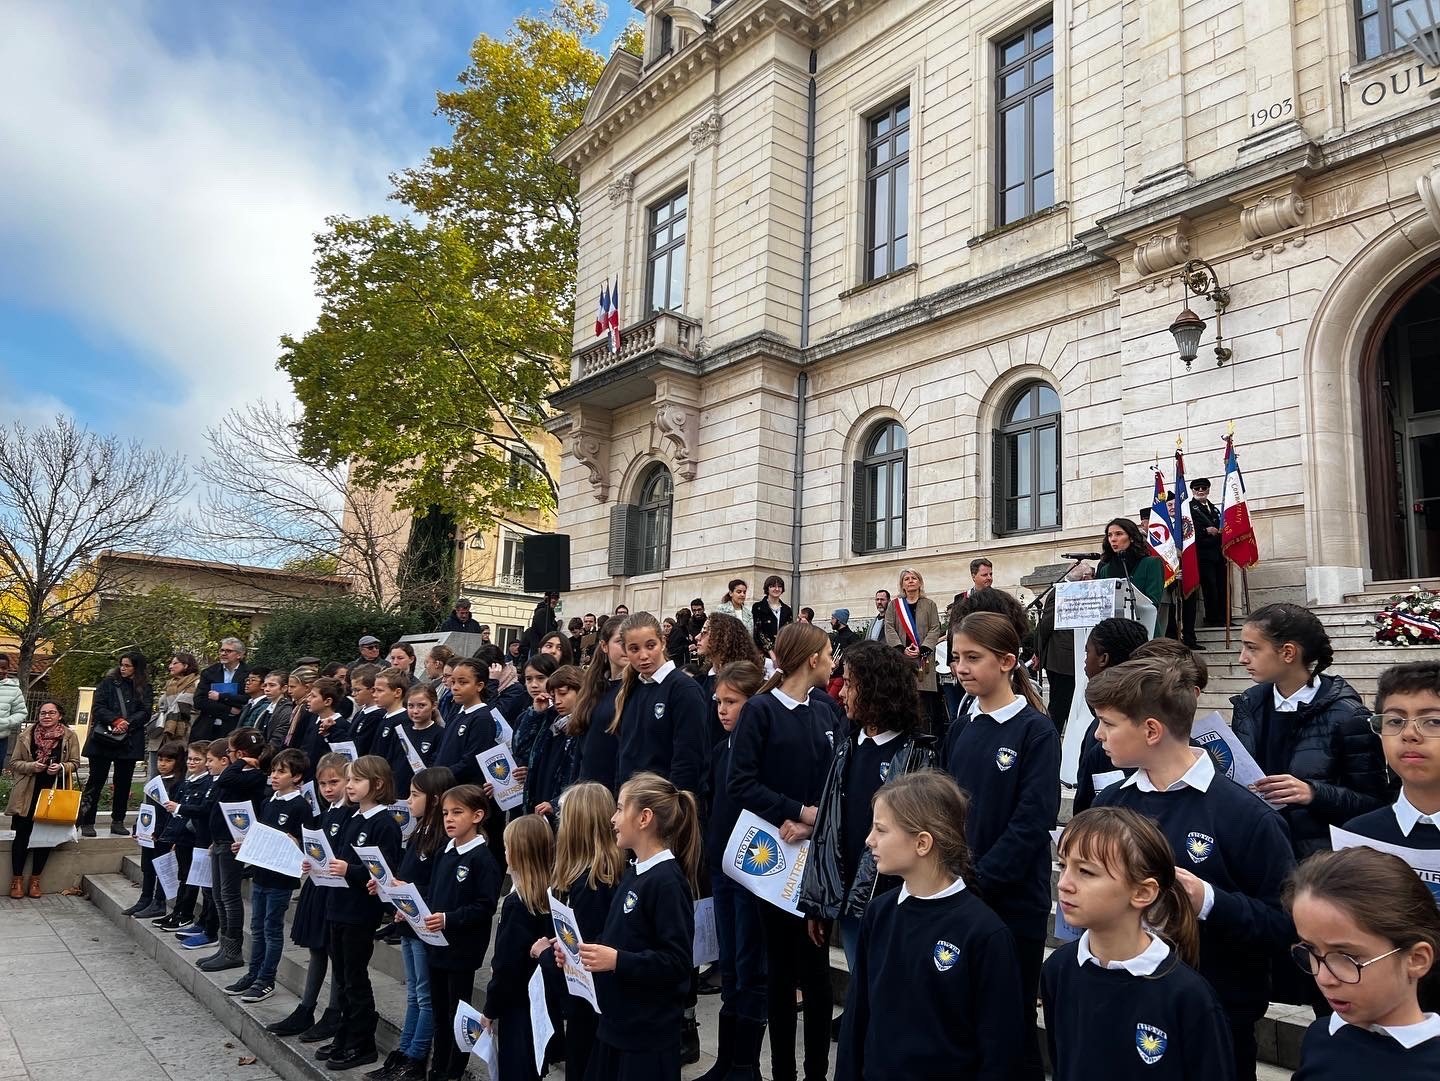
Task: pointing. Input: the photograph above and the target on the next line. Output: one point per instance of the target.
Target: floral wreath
(1409, 619)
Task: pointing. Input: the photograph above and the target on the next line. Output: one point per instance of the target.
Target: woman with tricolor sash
(912, 623)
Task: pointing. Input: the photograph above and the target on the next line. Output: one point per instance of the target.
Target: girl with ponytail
(1007, 760)
(659, 711)
(595, 707)
(1132, 961)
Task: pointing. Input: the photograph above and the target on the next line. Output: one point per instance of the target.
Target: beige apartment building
(897, 280)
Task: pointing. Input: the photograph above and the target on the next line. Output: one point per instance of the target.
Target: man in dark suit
(1206, 518)
(220, 695)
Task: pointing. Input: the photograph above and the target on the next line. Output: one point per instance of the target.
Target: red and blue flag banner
(1237, 538)
(614, 322)
(1185, 532)
(602, 316)
(1162, 535)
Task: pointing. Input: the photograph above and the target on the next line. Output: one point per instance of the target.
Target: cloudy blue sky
(163, 167)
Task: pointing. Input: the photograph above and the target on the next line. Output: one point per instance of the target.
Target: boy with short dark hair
(180, 833)
(1407, 719)
(365, 720)
(1233, 850)
(206, 931)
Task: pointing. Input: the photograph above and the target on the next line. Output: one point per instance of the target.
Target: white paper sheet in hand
(503, 731)
(1213, 735)
(347, 748)
(408, 902)
(541, 1027)
(155, 789)
(145, 825)
(199, 874)
(1424, 862)
(167, 873)
(578, 980)
(498, 767)
(271, 849)
(411, 754)
(706, 947)
(308, 791)
(374, 861)
(239, 817)
(768, 867)
(467, 1027)
(317, 851)
(400, 812)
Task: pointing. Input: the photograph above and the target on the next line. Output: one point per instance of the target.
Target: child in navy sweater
(780, 757)
(463, 890)
(1123, 1001)
(936, 988)
(1407, 719)
(473, 729)
(1369, 931)
(387, 694)
(555, 752)
(151, 905)
(642, 961)
(243, 781)
(595, 707)
(1233, 850)
(180, 833)
(661, 710)
(1007, 760)
(206, 929)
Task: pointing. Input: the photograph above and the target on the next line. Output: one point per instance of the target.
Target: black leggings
(20, 847)
(447, 988)
(315, 977)
(351, 947)
(100, 767)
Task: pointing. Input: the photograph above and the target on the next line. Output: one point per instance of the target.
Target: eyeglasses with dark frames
(1341, 965)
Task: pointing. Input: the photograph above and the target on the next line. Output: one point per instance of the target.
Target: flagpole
(1229, 573)
(1245, 590)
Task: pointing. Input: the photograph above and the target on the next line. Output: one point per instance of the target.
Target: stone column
(1155, 98)
(1273, 119)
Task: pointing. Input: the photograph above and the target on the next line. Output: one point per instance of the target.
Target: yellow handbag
(59, 806)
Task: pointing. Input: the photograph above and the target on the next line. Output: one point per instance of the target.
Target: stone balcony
(609, 380)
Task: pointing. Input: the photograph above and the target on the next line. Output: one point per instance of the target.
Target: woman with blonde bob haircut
(912, 625)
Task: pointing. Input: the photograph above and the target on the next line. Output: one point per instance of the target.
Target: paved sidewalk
(78, 999)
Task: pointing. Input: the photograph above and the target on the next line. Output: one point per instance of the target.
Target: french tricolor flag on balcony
(607, 317)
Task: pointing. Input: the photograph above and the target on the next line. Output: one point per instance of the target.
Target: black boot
(724, 1052)
(749, 1036)
(689, 1041)
(300, 1020)
(328, 1025)
(392, 1064)
(138, 906)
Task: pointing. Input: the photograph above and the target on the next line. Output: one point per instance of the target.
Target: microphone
(1082, 555)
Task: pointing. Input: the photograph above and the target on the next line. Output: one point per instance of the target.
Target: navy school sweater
(1011, 772)
(554, 760)
(174, 789)
(288, 815)
(472, 732)
(511, 964)
(365, 727)
(354, 906)
(599, 754)
(315, 741)
(1352, 1052)
(1382, 825)
(1102, 1022)
(724, 810)
(331, 823)
(867, 767)
(1230, 838)
(663, 731)
(237, 783)
(416, 868)
(935, 993)
(388, 744)
(465, 886)
(591, 905)
(651, 924)
(192, 816)
(779, 757)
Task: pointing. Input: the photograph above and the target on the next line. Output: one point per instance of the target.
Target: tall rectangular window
(1025, 112)
(887, 190)
(1379, 23)
(665, 255)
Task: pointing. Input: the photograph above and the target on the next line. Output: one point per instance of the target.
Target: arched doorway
(1400, 400)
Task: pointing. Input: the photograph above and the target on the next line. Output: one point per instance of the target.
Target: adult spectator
(485, 634)
(841, 636)
(807, 615)
(220, 694)
(12, 706)
(733, 604)
(876, 631)
(1057, 651)
(369, 652)
(513, 652)
(621, 611)
(912, 625)
(1127, 555)
(588, 635)
(1205, 516)
(176, 708)
(402, 656)
(545, 620)
(982, 576)
(769, 614)
(679, 641)
(576, 627)
(45, 754)
(122, 707)
(460, 619)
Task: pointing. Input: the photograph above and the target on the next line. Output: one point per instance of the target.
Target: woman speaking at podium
(1127, 555)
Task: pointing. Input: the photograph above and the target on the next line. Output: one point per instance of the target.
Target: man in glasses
(1407, 720)
(220, 696)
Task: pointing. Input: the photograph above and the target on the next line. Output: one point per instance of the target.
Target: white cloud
(167, 199)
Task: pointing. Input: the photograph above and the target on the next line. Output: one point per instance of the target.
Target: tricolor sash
(907, 623)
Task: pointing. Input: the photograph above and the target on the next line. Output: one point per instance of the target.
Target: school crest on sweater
(759, 854)
(659, 710)
(630, 900)
(462, 873)
(1198, 846)
(1006, 757)
(945, 955)
(1150, 1043)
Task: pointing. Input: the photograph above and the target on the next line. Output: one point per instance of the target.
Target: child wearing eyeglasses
(1369, 931)
(1407, 719)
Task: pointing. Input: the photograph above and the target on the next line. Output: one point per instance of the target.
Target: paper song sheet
(408, 902)
(706, 947)
(155, 789)
(400, 812)
(317, 851)
(374, 861)
(308, 791)
(271, 849)
(1425, 862)
(167, 873)
(1214, 736)
(239, 817)
(145, 825)
(411, 754)
(768, 867)
(578, 980)
(199, 869)
(498, 766)
(541, 1027)
(347, 748)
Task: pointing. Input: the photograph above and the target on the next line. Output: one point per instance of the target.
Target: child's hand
(598, 958)
(539, 947)
(543, 808)
(543, 700)
(372, 888)
(435, 921)
(1194, 888)
(793, 832)
(817, 931)
(487, 1023)
(1283, 788)
(489, 791)
(561, 958)
(398, 918)
(338, 868)
(235, 848)
(521, 772)
(172, 807)
(305, 866)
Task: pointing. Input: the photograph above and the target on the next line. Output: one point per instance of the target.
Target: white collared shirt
(466, 711)
(1407, 1036)
(1199, 776)
(654, 861)
(1001, 715)
(1303, 697)
(478, 839)
(660, 673)
(1408, 816)
(1144, 963)
(784, 699)
(373, 811)
(879, 739)
(288, 795)
(949, 891)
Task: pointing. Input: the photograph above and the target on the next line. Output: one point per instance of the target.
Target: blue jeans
(742, 950)
(850, 938)
(953, 693)
(267, 930)
(419, 1027)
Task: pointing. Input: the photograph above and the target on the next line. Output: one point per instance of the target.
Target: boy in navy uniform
(1407, 719)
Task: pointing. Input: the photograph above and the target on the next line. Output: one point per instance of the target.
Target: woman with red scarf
(44, 754)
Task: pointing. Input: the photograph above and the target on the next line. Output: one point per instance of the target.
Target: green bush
(329, 629)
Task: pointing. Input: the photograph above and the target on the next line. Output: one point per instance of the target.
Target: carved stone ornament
(705, 132)
(593, 453)
(620, 189)
(679, 425)
(1161, 251)
(1429, 188)
(1274, 212)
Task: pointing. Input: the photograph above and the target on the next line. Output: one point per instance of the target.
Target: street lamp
(1201, 280)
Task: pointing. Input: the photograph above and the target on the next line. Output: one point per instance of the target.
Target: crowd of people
(1187, 903)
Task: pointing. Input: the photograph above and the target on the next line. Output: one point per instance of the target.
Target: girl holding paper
(242, 781)
(159, 792)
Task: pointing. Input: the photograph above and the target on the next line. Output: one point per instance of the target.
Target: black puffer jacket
(116, 699)
(822, 889)
(1329, 743)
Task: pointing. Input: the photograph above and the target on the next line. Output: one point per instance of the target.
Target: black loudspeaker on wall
(547, 563)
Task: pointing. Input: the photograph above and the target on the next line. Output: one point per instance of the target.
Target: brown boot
(17, 887)
(34, 885)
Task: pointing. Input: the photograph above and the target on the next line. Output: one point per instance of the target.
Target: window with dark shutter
(1026, 481)
(622, 517)
(878, 515)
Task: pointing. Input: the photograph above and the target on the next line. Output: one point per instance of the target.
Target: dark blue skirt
(308, 928)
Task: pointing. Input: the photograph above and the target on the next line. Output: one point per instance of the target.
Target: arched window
(877, 522)
(656, 497)
(1026, 481)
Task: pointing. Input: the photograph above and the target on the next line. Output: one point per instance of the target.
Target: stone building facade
(896, 281)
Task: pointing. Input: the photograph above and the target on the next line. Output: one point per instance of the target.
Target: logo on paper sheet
(314, 851)
(1006, 757)
(407, 907)
(1198, 846)
(401, 815)
(462, 873)
(568, 936)
(472, 1031)
(1219, 752)
(377, 872)
(499, 770)
(147, 817)
(759, 854)
(659, 710)
(240, 820)
(945, 955)
(1150, 1042)
(630, 900)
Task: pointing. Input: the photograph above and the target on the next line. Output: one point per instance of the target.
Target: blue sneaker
(193, 929)
(197, 942)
